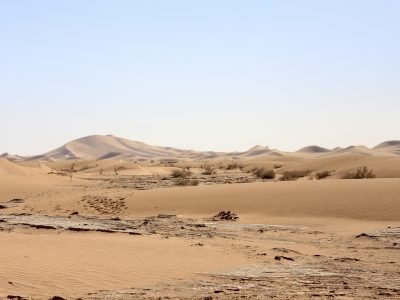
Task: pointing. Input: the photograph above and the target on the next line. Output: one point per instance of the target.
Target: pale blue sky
(207, 75)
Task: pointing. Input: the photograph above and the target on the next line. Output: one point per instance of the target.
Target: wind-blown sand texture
(137, 235)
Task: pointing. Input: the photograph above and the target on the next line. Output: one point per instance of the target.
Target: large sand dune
(112, 147)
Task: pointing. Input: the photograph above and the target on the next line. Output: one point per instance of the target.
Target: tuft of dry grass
(294, 175)
(180, 173)
(186, 182)
(264, 173)
(323, 174)
(360, 173)
(233, 166)
(208, 170)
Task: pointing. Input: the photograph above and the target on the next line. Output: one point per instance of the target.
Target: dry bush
(66, 172)
(233, 166)
(264, 173)
(323, 174)
(119, 168)
(208, 170)
(360, 173)
(294, 175)
(86, 167)
(186, 182)
(180, 173)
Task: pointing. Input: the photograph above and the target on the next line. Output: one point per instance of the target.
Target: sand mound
(104, 147)
(9, 168)
(389, 147)
(356, 199)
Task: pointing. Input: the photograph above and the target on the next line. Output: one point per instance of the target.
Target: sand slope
(112, 147)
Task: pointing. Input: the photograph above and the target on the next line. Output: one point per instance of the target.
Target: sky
(207, 75)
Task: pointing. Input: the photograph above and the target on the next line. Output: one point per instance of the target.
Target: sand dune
(135, 234)
(100, 147)
(389, 147)
(313, 149)
(103, 147)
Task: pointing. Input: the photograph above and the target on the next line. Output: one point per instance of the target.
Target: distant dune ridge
(96, 147)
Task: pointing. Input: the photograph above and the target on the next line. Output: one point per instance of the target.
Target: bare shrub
(208, 170)
(294, 175)
(264, 173)
(69, 172)
(86, 167)
(233, 165)
(118, 168)
(180, 173)
(360, 173)
(186, 182)
(323, 174)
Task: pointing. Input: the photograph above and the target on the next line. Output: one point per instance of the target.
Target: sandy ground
(97, 237)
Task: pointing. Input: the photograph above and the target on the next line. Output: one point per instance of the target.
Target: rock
(75, 213)
(365, 235)
(16, 200)
(225, 216)
(57, 298)
(14, 297)
(280, 257)
(346, 259)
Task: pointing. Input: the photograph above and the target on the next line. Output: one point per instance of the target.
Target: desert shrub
(277, 166)
(180, 173)
(264, 173)
(69, 172)
(208, 170)
(323, 174)
(233, 166)
(118, 168)
(186, 182)
(360, 173)
(86, 167)
(294, 174)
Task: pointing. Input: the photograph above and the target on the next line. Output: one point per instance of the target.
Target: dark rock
(16, 200)
(365, 235)
(280, 257)
(225, 216)
(57, 298)
(346, 259)
(14, 297)
(78, 229)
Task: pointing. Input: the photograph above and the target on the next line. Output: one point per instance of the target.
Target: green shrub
(360, 173)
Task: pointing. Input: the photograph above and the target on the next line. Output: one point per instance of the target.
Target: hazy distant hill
(112, 147)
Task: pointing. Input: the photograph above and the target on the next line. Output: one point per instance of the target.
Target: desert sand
(122, 227)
